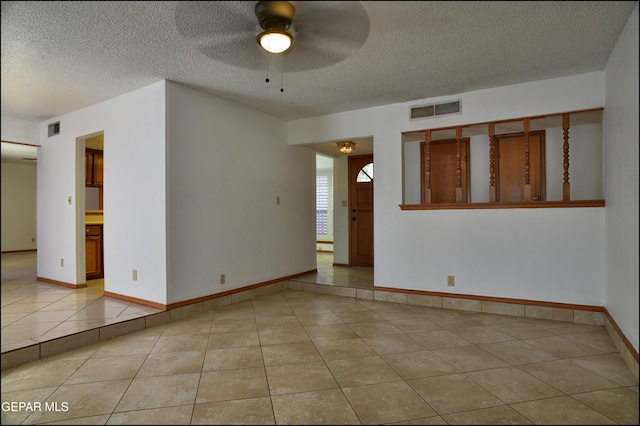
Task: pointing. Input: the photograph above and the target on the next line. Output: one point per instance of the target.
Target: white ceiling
(58, 57)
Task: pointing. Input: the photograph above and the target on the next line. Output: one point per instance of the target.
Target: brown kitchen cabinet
(95, 258)
(93, 167)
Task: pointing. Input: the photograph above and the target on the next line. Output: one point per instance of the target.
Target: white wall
(134, 194)
(19, 189)
(539, 254)
(341, 213)
(227, 164)
(18, 130)
(621, 181)
(18, 207)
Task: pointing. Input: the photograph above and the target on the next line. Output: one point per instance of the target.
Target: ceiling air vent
(54, 129)
(435, 110)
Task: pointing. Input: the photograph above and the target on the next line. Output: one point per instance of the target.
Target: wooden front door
(511, 167)
(361, 210)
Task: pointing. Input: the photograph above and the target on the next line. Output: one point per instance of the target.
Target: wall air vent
(435, 110)
(54, 129)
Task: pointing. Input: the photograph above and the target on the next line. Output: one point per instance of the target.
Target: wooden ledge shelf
(518, 205)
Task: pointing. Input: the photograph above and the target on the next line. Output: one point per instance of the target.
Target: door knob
(353, 218)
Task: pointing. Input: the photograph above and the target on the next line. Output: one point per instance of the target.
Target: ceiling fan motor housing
(275, 15)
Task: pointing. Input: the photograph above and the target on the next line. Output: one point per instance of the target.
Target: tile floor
(35, 311)
(305, 358)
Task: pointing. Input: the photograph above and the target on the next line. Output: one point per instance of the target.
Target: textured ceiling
(58, 57)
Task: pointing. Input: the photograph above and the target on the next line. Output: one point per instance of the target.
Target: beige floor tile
(319, 319)
(330, 332)
(597, 339)
(517, 352)
(470, 358)
(232, 358)
(233, 339)
(359, 316)
(290, 353)
(252, 411)
(393, 343)
(83, 400)
(619, 404)
(361, 371)
(488, 416)
(398, 314)
(562, 347)
(562, 410)
(276, 336)
(453, 393)
(103, 369)
(343, 349)
(287, 321)
(328, 407)
(170, 363)
(40, 374)
(159, 391)
(414, 325)
(375, 328)
(294, 378)
(567, 377)
(15, 415)
(198, 325)
(183, 343)
(233, 324)
(387, 403)
(513, 385)
(611, 366)
(123, 346)
(438, 339)
(480, 335)
(180, 415)
(228, 385)
(413, 365)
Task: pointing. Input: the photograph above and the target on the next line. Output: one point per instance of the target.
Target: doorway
(361, 210)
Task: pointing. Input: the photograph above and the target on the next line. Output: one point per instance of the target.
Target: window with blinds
(323, 193)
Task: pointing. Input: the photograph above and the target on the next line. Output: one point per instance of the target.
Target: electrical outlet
(223, 278)
(451, 281)
(278, 200)
(33, 240)
(62, 262)
(134, 274)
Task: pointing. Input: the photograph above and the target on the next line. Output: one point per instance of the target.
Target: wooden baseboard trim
(495, 299)
(621, 335)
(204, 298)
(238, 290)
(136, 300)
(18, 251)
(341, 264)
(62, 283)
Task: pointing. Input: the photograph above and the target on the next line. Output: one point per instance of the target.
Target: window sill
(519, 205)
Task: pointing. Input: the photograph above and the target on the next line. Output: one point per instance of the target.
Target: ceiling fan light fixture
(274, 41)
(346, 147)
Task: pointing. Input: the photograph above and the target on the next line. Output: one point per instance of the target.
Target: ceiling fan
(321, 33)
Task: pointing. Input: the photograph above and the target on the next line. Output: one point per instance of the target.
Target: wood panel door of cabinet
(94, 167)
(443, 163)
(511, 167)
(94, 252)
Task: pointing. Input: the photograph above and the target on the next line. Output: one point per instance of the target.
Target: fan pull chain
(267, 79)
(281, 85)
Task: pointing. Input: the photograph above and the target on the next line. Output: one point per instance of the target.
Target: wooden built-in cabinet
(95, 259)
(93, 167)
